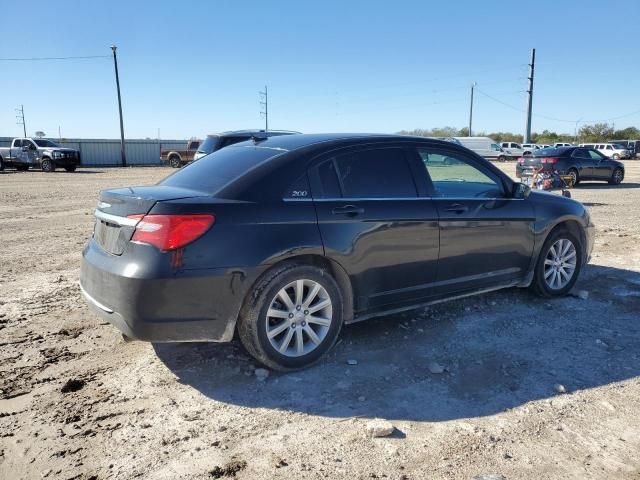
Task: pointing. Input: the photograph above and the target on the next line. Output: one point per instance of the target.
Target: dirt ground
(77, 402)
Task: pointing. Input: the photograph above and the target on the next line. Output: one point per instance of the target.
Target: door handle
(350, 210)
(457, 208)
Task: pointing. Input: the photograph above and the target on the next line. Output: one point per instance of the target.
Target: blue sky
(192, 67)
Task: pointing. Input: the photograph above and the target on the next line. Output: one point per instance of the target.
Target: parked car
(632, 146)
(578, 162)
(615, 151)
(486, 147)
(529, 148)
(517, 149)
(39, 152)
(561, 144)
(217, 141)
(177, 158)
(543, 145)
(286, 239)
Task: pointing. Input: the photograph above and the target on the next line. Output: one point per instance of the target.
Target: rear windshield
(209, 174)
(209, 145)
(549, 152)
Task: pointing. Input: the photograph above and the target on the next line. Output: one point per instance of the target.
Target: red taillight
(549, 159)
(168, 232)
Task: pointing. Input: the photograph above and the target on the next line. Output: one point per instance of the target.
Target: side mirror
(520, 190)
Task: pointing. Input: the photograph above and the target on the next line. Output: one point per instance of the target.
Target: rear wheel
(174, 162)
(502, 158)
(575, 179)
(292, 317)
(558, 264)
(47, 165)
(617, 177)
(71, 168)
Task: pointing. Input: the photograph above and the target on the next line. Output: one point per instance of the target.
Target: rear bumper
(148, 302)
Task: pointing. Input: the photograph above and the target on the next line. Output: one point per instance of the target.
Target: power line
(547, 117)
(39, 59)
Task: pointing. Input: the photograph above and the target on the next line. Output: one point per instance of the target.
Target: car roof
(290, 143)
(233, 133)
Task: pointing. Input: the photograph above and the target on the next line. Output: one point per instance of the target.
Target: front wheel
(502, 158)
(1, 164)
(47, 165)
(616, 156)
(292, 317)
(617, 177)
(558, 264)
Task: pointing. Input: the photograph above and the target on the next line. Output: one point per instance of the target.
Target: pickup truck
(178, 158)
(33, 152)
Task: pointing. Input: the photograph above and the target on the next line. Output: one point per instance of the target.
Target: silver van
(486, 147)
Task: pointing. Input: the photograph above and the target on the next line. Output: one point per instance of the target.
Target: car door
(582, 161)
(31, 153)
(486, 235)
(374, 224)
(15, 152)
(602, 167)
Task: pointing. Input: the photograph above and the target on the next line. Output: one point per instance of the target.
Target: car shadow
(498, 351)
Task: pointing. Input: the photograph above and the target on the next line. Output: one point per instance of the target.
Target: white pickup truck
(38, 152)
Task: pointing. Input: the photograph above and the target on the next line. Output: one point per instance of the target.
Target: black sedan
(284, 240)
(578, 162)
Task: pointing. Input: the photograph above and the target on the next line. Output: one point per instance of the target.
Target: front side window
(375, 173)
(453, 176)
(495, 147)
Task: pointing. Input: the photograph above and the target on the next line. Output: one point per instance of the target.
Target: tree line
(599, 132)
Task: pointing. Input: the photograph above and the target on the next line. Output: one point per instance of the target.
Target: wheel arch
(171, 155)
(336, 270)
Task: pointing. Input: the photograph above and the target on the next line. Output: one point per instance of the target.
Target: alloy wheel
(560, 264)
(618, 175)
(299, 318)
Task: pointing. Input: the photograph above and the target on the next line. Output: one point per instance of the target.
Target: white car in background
(611, 150)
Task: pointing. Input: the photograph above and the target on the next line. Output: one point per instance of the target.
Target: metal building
(106, 152)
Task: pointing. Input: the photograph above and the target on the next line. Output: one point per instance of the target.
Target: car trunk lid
(114, 226)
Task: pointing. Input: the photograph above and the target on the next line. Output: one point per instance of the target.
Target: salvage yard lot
(198, 411)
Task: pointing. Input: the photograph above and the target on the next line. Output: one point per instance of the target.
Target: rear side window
(209, 174)
(376, 173)
(210, 144)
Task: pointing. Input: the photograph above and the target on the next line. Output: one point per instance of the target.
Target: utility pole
(115, 64)
(471, 109)
(20, 119)
(527, 128)
(264, 107)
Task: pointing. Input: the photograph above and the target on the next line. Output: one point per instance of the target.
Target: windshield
(209, 174)
(41, 142)
(210, 144)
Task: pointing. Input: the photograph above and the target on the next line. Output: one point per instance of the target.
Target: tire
(616, 156)
(1, 164)
(254, 322)
(174, 162)
(70, 169)
(502, 158)
(575, 177)
(47, 165)
(616, 177)
(543, 281)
